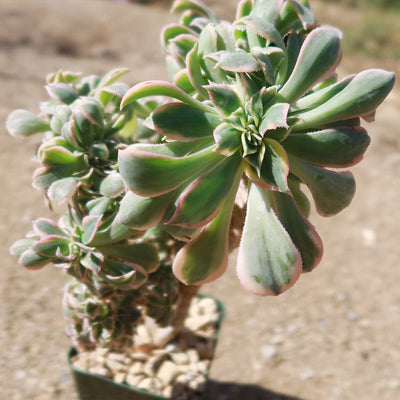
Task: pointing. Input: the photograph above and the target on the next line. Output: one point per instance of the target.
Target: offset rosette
(258, 102)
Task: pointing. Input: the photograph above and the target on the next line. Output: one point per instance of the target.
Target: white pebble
(268, 352)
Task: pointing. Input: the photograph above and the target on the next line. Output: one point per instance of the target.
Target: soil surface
(334, 336)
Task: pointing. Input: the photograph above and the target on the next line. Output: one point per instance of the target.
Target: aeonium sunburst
(273, 132)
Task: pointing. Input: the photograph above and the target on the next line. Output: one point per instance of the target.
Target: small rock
(114, 366)
(307, 374)
(207, 306)
(167, 392)
(142, 338)
(268, 352)
(148, 384)
(100, 371)
(198, 322)
(278, 339)
(119, 377)
(134, 380)
(180, 358)
(167, 372)
(193, 356)
(136, 369)
(122, 358)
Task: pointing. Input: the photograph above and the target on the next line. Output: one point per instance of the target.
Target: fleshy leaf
(32, 260)
(227, 138)
(143, 254)
(142, 212)
(361, 96)
(180, 121)
(93, 261)
(224, 98)
(332, 191)
(205, 258)
(336, 147)
(195, 74)
(160, 88)
(63, 92)
(319, 55)
(25, 123)
(50, 245)
(90, 225)
(45, 226)
(201, 201)
(112, 185)
(62, 190)
(303, 234)
(237, 62)
(268, 262)
(275, 117)
(265, 29)
(20, 246)
(123, 275)
(274, 169)
(150, 174)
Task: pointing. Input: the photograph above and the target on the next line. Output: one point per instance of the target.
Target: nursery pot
(98, 387)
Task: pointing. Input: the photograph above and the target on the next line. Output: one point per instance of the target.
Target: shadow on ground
(233, 391)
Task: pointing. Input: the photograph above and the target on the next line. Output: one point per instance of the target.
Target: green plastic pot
(97, 387)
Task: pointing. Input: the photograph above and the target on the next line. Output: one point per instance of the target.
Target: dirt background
(335, 335)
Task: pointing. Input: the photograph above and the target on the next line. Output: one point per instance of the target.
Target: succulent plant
(116, 270)
(254, 114)
(256, 102)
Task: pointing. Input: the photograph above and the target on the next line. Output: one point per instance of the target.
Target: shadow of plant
(233, 391)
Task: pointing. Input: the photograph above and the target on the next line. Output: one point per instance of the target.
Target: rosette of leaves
(255, 101)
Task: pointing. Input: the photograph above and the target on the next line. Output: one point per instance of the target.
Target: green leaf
(111, 76)
(236, 62)
(360, 97)
(62, 190)
(195, 73)
(224, 98)
(319, 56)
(99, 206)
(207, 45)
(182, 81)
(336, 147)
(143, 254)
(140, 212)
(93, 261)
(90, 225)
(332, 191)
(268, 262)
(25, 123)
(32, 260)
(205, 258)
(274, 169)
(267, 9)
(161, 88)
(194, 5)
(265, 29)
(243, 8)
(180, 121)
(171, 31)
(318, 97)
(150, 174)
(303, 234)
(275, 117)
(57, 155)
(63, 92)
(112, 185)
(45, 226)
(51, 246)
(123, 275)
(201, 201)
(20, 246)
(227, 138)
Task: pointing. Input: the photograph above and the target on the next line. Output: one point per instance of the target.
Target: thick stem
(187, 292)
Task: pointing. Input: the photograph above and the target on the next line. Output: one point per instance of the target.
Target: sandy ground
(334, 336)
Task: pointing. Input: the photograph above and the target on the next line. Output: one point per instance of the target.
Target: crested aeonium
(254, 102)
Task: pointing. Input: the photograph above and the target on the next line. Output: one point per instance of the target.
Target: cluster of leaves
(257, 101)
(83, 128)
